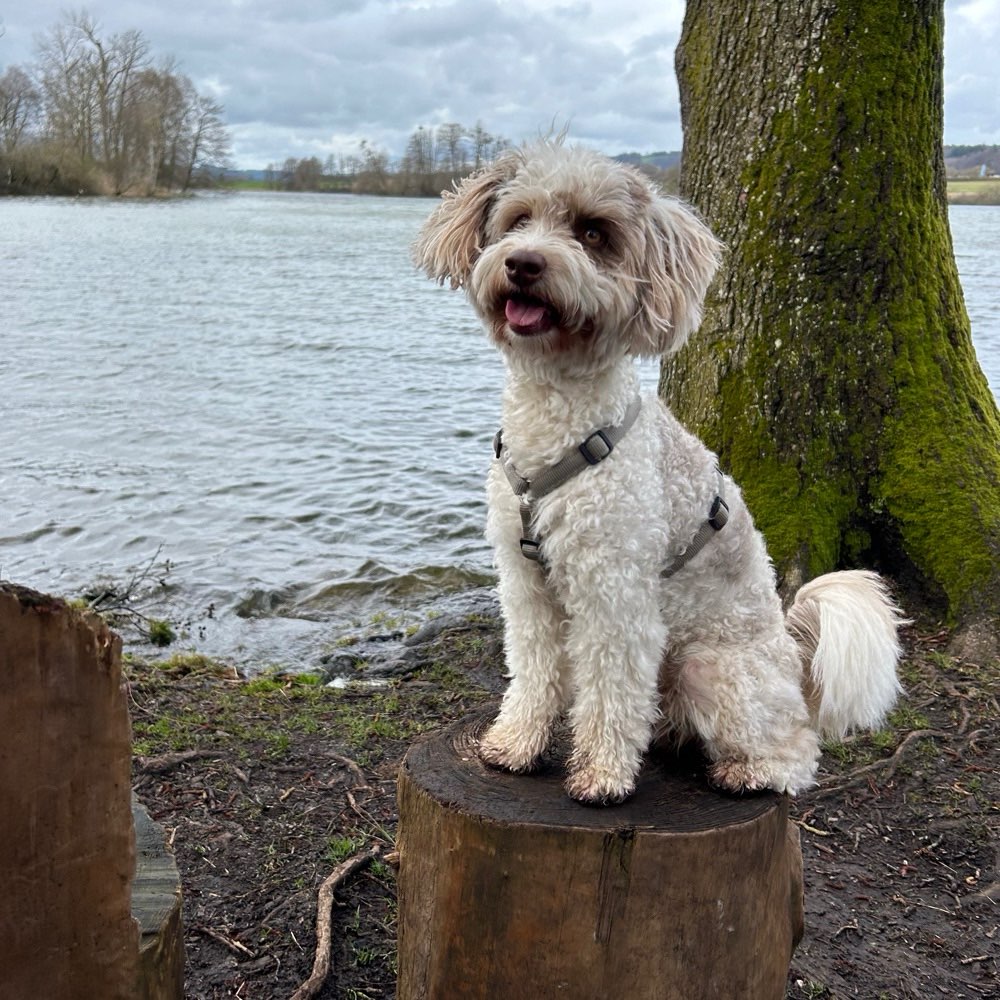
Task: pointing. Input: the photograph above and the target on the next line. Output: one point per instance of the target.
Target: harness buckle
(596, 448)
(531, 548)
(718, 515)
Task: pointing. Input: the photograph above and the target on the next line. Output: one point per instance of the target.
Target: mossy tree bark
(834, 372)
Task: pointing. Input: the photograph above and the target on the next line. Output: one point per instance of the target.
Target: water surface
(258, 390)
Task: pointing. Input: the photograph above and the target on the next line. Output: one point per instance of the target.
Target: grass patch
(974, 191)
(908, 718)
(341, 848)
(271, 711)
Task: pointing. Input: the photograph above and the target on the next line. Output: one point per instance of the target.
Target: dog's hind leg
(745, 704)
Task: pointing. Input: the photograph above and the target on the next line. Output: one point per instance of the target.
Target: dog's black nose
(525, 267)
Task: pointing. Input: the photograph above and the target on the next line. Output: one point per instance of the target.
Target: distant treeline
(434, 159)
(94, 115)
(972, 161)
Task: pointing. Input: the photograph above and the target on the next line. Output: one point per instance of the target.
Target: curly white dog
(637, 594)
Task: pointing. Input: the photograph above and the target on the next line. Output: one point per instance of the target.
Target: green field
(974, 192)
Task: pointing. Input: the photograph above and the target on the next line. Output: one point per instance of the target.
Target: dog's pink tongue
(523, 313)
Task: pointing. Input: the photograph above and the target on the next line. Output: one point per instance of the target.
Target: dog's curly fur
(576, 265)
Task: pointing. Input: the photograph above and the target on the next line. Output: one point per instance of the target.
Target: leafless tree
(451, 148)
(20, 107)
(106, 107)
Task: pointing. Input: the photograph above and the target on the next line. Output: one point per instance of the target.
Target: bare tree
(451, 148)
(20, 107)
(209, 138)
(115, 66)
(481, 143)
(141, 127)
(418, 165)
(373, 176)
(69, 90)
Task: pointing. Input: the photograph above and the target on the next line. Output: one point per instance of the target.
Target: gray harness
(592, 451)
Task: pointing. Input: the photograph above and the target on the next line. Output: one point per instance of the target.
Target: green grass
(974, 192)
(269, 710)
(341, 848)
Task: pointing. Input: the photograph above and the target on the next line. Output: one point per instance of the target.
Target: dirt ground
(265, 786)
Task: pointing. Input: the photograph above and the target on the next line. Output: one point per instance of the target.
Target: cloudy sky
(313, 77)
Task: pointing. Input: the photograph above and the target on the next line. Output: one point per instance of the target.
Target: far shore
(960, 191)
(984, 191)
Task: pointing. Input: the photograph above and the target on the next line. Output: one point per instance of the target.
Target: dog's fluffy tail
(846, 627)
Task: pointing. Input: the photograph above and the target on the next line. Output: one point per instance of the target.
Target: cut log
(67, 842)
(509, 889)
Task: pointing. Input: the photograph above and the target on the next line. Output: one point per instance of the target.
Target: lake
(256, 399)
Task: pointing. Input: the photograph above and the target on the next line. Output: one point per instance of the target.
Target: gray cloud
(314, 77)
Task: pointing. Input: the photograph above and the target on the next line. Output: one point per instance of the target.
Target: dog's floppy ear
(681, 257)
(451, 240)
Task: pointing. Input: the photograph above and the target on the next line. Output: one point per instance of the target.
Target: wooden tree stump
(67, 844)
(509, 889)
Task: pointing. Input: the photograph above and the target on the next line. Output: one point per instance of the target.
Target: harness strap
(718, 516)
(592, 451)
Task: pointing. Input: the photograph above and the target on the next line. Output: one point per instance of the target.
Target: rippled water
(259, 389)
(976, 237)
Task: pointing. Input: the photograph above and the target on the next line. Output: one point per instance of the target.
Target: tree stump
(67, 844)
(509, 889)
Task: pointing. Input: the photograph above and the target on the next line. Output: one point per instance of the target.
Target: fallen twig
(852, 926)
(354, 768)
(324, 906)
(812, 829)
(167, 761)
(231, 943)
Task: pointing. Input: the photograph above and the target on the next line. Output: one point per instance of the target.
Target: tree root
(887, 766)
(324, 935)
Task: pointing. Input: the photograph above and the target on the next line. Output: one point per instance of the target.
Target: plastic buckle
(718, 516)
(498, 443)
(531, 548)
(592, 455)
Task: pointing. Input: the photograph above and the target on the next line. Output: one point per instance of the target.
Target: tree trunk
(834, 372)
(509, 889)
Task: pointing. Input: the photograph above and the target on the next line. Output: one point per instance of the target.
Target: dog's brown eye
(593, 236)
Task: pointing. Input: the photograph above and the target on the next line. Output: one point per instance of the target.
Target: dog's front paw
(508, 750)
(592, 786)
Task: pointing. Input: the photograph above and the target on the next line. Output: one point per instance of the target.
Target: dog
(638, 598)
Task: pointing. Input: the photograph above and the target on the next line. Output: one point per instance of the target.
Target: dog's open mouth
(527, 315)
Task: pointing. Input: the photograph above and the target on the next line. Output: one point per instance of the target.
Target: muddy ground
(265, 786)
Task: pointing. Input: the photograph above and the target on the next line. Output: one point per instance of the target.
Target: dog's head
(567, 254)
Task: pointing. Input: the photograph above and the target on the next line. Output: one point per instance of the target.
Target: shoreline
(960, 191)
